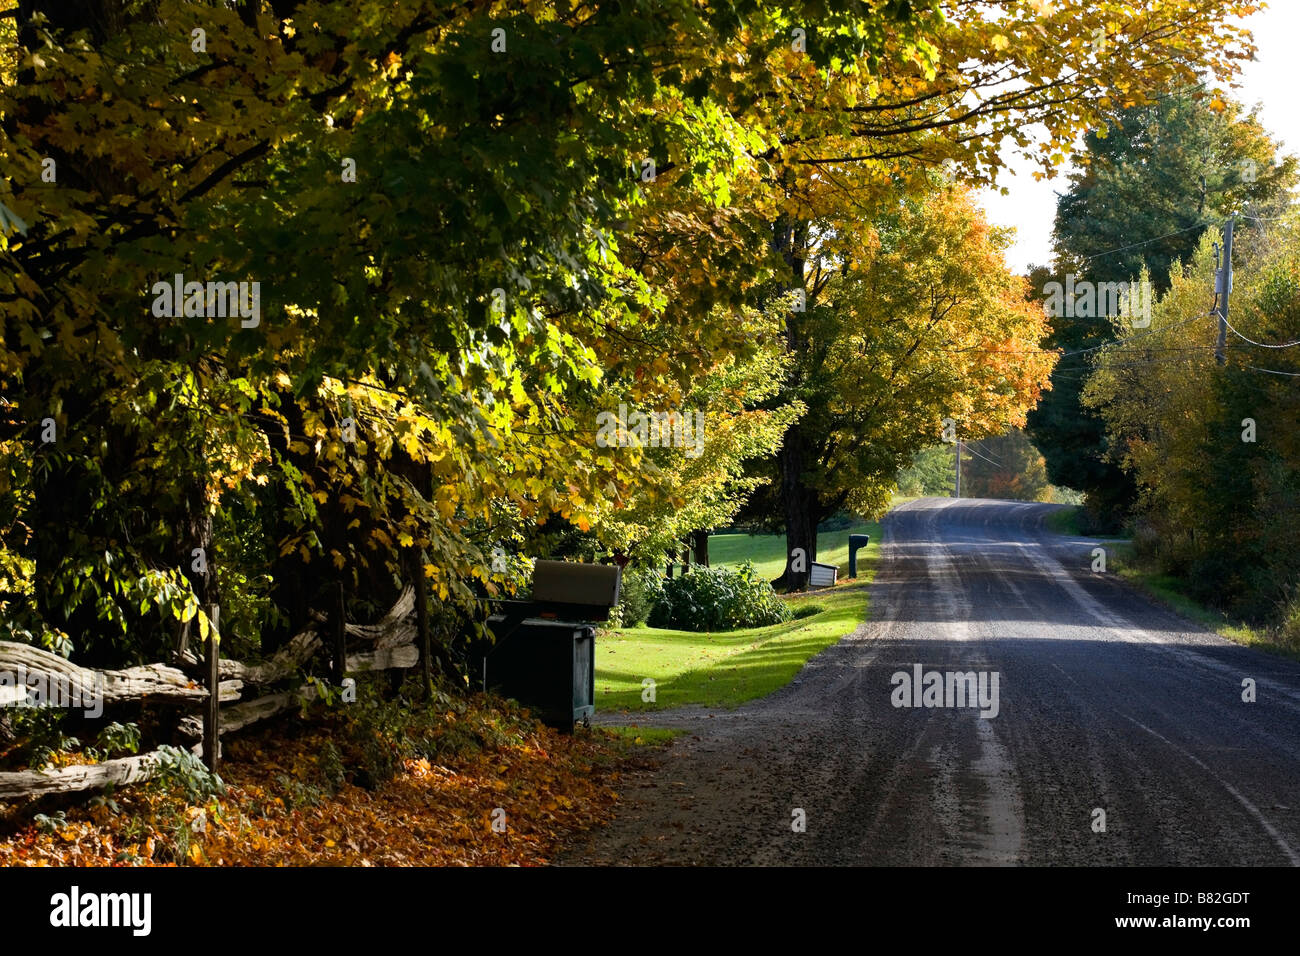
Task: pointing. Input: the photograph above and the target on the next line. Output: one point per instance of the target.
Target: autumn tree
(906, 340)
(469, 226)
(961, 86)
(694, 475)
(1153, 179)
(1005, 466)
(1212, 447)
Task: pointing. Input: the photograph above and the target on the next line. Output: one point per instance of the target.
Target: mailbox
(822, 575)
(856, 541)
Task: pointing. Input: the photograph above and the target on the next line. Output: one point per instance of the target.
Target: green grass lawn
(725, 669)
(767, 551)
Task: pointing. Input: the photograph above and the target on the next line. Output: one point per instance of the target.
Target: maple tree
(464, 315)
(923, 332)
(686, 491)
(961, 86)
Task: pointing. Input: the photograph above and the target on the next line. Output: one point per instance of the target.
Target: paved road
(1105, 701)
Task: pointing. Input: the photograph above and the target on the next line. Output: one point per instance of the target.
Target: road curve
(1106, 702)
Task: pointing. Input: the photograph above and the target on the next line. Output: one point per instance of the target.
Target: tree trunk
(294, 582)
(700, 545)
(799, 503)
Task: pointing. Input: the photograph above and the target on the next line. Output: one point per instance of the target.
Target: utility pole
(958, 490)
(1223, 286)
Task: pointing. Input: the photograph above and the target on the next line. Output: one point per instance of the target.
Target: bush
(639, 593)
(718, 599)
(1288, 633)
(183, 771)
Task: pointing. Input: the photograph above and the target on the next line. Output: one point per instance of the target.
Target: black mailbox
(856, 541)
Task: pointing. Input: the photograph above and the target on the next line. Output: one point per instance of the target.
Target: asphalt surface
(1106, 701)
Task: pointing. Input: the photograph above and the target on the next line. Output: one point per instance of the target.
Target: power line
(1144, 242)
(1263, 345)
(1272, 371)
(996, 464)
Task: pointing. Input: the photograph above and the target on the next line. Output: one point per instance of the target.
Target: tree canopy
(1152, 181)
(417, 250)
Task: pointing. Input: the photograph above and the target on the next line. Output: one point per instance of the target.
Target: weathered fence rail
(31, 783)
(391, 644)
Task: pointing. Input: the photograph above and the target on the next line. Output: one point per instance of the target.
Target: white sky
(1273, 79)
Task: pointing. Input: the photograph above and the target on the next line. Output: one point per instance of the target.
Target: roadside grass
(727, 668)
(1066, 521)
(1122, 559)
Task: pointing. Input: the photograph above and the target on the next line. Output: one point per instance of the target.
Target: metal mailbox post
(545, 650)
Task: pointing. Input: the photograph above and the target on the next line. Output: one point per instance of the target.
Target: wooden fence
(386, 645)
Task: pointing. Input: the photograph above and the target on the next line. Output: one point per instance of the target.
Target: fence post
(212, 706)
(422, 620)
(340, 639)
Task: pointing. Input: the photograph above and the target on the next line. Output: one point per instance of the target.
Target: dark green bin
(549, 667)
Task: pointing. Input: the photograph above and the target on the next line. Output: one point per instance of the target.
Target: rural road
(1105, 701)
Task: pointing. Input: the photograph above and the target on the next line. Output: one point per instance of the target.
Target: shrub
(718, 599)
(183, 771)
(639, 593)
(1288, 633)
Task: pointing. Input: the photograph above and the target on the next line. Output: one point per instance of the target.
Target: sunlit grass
(767, 551)
(727, 668)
